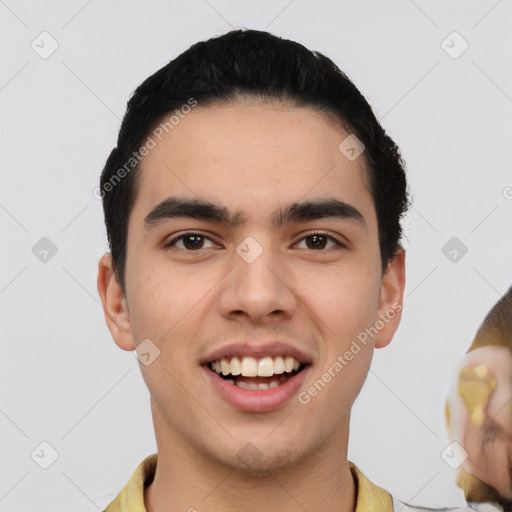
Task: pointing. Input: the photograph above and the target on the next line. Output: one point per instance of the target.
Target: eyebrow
(299, 211)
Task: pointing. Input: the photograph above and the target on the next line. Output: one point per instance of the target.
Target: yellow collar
(370, 498)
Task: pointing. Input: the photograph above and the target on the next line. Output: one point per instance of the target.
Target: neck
(188, 480)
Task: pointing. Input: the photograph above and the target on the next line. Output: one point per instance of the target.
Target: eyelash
(173, 242)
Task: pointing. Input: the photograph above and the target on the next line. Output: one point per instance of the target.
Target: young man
(253, 207)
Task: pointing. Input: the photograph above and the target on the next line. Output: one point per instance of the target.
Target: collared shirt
(369, 497)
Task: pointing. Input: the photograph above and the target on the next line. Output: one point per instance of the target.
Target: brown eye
(190, 242)
(193, 242)
(319, 241)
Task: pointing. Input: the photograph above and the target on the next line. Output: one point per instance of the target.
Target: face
(278, 274)
(481, 415)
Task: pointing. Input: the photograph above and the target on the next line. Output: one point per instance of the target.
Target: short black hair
(249, 63)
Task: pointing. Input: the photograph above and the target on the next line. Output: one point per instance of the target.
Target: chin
(259, 459)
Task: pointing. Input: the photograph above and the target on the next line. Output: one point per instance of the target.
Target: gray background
(64, 381)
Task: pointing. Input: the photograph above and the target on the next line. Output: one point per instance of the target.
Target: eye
(319, 239)
(189, 241)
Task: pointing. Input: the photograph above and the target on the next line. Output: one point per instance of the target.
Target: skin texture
(252, 158)
(489, 448)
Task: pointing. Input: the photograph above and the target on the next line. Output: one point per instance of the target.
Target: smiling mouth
(257, 374)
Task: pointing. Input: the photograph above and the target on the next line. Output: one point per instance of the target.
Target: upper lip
(257, 350)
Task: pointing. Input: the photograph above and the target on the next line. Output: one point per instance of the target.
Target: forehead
(251, 155)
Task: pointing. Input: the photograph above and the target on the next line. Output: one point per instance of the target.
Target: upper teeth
(251, 367)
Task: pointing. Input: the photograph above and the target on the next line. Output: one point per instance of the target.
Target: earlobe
(114, 304)
(391, 300)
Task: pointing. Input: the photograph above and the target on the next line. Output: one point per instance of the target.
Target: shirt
(369, 497)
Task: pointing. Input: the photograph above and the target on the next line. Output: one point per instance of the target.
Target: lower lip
(257, 400)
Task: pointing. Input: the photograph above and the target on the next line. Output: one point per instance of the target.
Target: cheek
(163, 298)
(335, 385)
(347, 303)
(153, 308)
(344, 309)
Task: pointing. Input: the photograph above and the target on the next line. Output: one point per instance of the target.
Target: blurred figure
(479, 412)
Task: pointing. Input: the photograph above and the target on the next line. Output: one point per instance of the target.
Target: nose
(258, 289)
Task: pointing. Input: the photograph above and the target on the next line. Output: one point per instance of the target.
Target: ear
(114, 303)
(391, 299)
